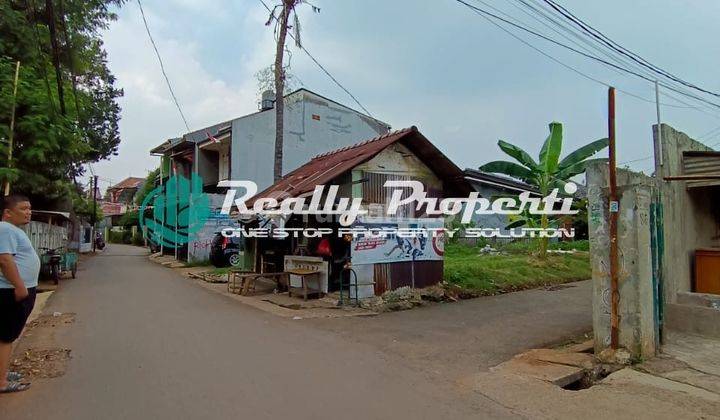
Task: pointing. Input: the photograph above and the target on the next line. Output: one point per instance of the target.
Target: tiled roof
(129, 182)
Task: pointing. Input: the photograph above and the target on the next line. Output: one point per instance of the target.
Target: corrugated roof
(323, 168)
(166, 145)
(498, 180)
(200, 135)
(699, 164)
(129, 182)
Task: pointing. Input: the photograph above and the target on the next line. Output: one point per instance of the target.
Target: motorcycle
(99, 242)
(53, 260)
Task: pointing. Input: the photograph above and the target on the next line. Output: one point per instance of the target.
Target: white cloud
(149, 115)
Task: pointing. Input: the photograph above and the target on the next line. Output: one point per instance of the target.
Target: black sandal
(15, 387)
(14, 376)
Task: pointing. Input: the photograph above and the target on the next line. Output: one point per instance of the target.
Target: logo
(438, 243)
(173, 213)
(327, 202)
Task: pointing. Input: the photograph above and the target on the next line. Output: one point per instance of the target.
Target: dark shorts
(13, 314)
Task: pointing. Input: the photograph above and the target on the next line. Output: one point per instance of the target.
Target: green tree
(129, 219)
(549, 171)
(67, 113)
(83, 207)
(147, 186)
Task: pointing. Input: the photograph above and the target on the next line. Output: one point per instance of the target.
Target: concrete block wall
(688, 219)
(636, 310)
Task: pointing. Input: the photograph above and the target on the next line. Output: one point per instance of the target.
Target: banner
(401, 240)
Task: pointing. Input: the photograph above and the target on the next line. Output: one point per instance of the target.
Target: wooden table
(242, 282)
(304, 273)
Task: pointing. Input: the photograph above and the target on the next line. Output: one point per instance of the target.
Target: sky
(431, 63)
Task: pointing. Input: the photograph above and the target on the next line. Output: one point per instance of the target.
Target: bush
(115, 237)
(122, 237)
(138, 240)
(129, 219)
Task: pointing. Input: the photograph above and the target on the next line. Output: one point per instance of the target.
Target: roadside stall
(317, 255)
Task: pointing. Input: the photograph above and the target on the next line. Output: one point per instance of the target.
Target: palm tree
(550, 172)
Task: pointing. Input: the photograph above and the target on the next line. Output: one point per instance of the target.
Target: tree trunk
(55, 52)
(543, 239)
(71, 64)
(544, 187)
(279, 89)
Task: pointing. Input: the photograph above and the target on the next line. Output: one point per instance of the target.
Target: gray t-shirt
(15, 241)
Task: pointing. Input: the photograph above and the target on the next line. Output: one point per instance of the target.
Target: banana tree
(549, 171)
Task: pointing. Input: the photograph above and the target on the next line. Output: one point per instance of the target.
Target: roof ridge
(364, 142)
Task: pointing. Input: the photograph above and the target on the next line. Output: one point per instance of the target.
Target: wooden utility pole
(287, 6)
(614, 211)
(11, 136)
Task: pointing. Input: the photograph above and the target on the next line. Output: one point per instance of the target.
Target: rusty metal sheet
(701, 163)
(418, 273)
(325, 167)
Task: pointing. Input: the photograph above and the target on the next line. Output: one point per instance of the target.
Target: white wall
(333, 127)
(199, 247)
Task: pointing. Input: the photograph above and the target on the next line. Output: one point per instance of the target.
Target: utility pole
(287, 5)
(658, 143)
(94, 213)
(12, 127)
(162, 222)
(614, 211)
(287, 8)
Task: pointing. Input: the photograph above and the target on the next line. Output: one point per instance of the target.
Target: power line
(635, 160)
(686, 106)
(540, 10)
(576, 38)
(714, 130)
(162, 66)
(622, 50)
(485, 13)
(302, 47)
(646, 67)
(567, 66)
(537, 8)
(488, 16)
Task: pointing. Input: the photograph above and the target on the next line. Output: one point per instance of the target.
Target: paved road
(462, 338)
(149, 344)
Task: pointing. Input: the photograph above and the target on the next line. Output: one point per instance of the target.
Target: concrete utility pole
(614, 211)
(658, 143)
(12, 127)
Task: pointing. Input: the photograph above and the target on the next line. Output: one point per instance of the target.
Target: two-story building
(243, 149)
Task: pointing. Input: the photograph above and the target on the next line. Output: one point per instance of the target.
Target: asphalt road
(149, 344)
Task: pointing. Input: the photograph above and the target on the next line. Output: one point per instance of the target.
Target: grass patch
(202, 263)
(220, 271)
(528, 246)
(489, 274)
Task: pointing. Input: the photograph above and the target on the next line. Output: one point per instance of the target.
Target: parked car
(226, 251)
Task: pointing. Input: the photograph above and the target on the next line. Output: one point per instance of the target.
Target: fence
(43, 235)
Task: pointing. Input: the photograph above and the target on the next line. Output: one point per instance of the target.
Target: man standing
(19, 269)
